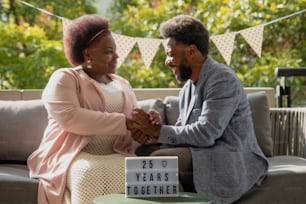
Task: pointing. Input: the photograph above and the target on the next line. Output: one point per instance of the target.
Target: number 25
(147, 164)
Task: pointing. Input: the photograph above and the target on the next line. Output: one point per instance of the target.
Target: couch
(280, 133)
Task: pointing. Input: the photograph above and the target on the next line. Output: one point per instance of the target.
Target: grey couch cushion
(285, 183)
(261, 119)
(260, 113)
(21, 128)
(171, 108)
(155, 104)
(16, 186)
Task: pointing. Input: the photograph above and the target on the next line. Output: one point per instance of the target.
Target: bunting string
(41, 10)
(149, 46)
(284, 17)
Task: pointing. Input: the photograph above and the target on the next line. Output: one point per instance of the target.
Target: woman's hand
(139, 136)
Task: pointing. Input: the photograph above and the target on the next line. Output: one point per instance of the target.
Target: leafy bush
(284, 43)
(30, 53)
(27, 56)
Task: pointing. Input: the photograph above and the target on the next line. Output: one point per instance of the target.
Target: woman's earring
(88, 64)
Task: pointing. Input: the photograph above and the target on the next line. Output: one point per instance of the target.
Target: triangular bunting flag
(225, 45)
(65, 23)
(254, 37)
(124, 46)
(148, 48)
(164, 44)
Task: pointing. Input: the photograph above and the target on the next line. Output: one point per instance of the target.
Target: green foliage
(19, 13)
(27, 56)
(31, 48)
(284, 43)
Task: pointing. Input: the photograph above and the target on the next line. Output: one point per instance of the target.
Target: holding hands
(145, 126)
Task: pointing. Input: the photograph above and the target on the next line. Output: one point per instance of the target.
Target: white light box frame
(151, 176)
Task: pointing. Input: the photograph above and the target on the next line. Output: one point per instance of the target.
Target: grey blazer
(215, 121)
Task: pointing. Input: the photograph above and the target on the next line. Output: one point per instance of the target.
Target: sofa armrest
(288, 129)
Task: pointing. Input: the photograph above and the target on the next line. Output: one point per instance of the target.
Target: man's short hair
(187, 30)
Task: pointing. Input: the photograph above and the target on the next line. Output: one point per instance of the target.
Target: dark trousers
(184, 162)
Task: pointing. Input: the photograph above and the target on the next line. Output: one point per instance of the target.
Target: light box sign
(151, 176)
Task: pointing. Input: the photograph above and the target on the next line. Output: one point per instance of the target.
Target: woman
(84, 103)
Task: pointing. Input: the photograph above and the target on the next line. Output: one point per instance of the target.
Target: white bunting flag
(225, 45)
(124, 46)
(148, 48)
(65, 23)
(164, 43)
(254, 37)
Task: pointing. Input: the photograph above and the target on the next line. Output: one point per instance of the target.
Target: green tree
(27, 57)
(30, 46)
(284, 42)
(18, 12)
(283, 45)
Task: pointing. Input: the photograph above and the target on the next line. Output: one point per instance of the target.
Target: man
(214, 129)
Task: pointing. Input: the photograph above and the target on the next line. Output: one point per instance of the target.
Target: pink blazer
(75, 106)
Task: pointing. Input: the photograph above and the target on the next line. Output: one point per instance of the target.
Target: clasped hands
(144, 126)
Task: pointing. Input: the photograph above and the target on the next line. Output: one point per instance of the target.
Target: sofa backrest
(22, 124)
(141, 93)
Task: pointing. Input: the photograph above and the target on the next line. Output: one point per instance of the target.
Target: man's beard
(184, 72)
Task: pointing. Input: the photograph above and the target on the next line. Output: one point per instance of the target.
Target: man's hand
(155, 117)
(143, 122)
(138, 135)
